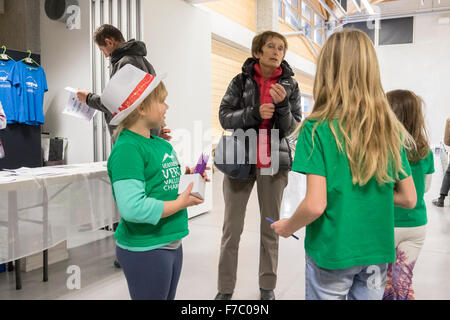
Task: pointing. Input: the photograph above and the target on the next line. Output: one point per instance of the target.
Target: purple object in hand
(201, 165)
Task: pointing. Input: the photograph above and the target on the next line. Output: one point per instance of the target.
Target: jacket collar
(130, 48)
(249, 68)
(258, 73)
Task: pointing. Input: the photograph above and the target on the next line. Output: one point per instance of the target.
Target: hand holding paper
(195, 175)
(187, 199)
(200, 168)
(76, 108)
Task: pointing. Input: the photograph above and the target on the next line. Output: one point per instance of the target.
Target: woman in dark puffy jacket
(264, 97)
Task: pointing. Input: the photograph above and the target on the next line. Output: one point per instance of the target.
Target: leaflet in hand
(77, 109)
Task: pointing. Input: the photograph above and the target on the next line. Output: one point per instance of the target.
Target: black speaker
(57, 9)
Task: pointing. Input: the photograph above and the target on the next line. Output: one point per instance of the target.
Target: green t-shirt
(357, 227)
(417, 217)
(153, 161)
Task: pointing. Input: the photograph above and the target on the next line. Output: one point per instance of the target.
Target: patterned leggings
(408, 243)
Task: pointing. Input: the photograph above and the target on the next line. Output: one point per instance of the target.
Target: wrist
(257, 112)
(290, 226)
(180, 204)
(282, 105)
(295, 223)
(87, 97)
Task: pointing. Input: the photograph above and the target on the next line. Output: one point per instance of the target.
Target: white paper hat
(126, 90)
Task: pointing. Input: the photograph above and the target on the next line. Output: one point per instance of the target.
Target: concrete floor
(100, 280)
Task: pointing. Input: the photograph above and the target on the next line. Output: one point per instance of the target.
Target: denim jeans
(355, 283)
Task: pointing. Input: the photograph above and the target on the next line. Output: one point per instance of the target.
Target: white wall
(66, 58)
(423, 67)
(178, 38)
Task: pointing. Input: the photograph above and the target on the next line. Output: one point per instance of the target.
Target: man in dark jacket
(111, 42)
(264, 97)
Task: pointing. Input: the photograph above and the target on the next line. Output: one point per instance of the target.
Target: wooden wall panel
(226, 64)
(305, 83)
(242, 12)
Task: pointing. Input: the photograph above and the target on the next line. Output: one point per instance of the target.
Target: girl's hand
(187, 200)
(283, 228)
(192, 170)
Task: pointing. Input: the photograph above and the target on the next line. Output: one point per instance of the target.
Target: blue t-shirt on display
(8, 92)
(33, 85)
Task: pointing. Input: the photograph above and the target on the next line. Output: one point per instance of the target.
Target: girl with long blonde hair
(352, 149)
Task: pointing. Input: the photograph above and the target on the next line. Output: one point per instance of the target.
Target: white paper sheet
(77, 109)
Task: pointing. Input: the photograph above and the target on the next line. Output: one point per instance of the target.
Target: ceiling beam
(338, 5)
(331, 13)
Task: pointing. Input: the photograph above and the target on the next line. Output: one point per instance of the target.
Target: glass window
(307, 28)
(291, 18)
(293, 3)
(292, 21)
(280, 9)
(318, 37)
(307, 12)
(318, 20)
(363, 27)
(307, 105)
(396, 31)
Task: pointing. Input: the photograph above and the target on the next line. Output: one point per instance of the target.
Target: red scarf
(263, 155)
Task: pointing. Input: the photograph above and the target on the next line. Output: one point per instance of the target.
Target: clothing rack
(22, 145)
(19, 55)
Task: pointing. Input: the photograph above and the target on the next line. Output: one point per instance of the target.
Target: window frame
(310, 98)
(316, 13)
(303, 19)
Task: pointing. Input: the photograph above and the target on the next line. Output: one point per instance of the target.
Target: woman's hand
(192, 170)
(283, 228)
(278, 93)
(266, 111)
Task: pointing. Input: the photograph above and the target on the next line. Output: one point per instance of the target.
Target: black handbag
(232, 157)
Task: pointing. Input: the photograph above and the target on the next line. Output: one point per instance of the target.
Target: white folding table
(42, 207)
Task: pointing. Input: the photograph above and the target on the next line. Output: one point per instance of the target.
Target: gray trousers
(236, 194)
(446, 182)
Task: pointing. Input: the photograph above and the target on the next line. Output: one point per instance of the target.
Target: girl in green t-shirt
(410, 224)
(352, 149)
(145, 174)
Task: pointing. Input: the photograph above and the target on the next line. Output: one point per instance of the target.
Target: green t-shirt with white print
(357, 227)
(417, 217)
(153, 161)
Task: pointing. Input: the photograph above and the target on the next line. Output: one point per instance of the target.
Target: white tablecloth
(42, 207)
